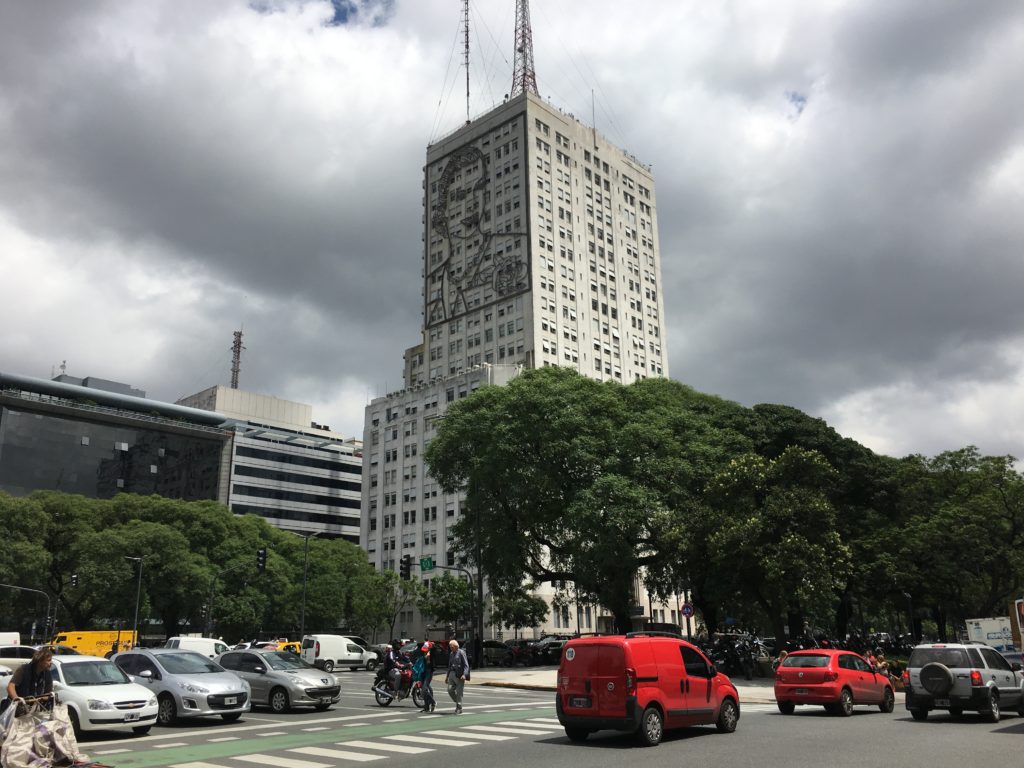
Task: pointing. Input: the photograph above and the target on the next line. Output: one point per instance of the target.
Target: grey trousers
(455, 688)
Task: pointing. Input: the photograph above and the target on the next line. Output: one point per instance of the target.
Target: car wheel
(279, 703)
(576, 734)
(992, 713)
(919, 714)
(845, 707)
(141, 730)
(728, 716)
(888, 701)
(328, 666)
(75, 724)
(230, 717)
(167, 710)
(651, 728)
(787, 707)
(371, 665)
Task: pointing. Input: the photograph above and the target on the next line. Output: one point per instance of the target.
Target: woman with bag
(426, 664)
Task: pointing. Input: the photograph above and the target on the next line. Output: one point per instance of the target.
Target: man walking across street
(458, 674)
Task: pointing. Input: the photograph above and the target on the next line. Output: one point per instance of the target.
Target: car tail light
(906, 677)
(316, 653)
(976, 678)
(630, 679)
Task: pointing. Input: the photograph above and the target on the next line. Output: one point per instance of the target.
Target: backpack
(419, 668)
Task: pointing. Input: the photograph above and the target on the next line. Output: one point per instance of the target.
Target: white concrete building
(285, 467)
(540, 247)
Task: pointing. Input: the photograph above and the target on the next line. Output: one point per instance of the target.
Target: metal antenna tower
(236, 359)
(524, 78)
(465, 52)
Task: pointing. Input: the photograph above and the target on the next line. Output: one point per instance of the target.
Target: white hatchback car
(100, 696)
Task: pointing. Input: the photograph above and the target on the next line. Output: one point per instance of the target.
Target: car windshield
(93, 673)
(950, 657)
(187, 664)
(806, 660)
(284, 660)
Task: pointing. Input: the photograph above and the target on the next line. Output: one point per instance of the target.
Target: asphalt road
(508, 727)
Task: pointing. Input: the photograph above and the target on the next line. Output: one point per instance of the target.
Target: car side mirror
(146, 673)
(1015, 666)
(259, 669)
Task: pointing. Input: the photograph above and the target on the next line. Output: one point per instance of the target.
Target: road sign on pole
(426, 563)
(687, 610)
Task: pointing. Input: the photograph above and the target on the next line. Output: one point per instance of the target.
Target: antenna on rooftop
(524, 78)
(465, 52)
(236, 359)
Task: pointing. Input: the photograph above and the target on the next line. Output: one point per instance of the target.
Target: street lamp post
(305, 574)
(910, 616)
(138, 594)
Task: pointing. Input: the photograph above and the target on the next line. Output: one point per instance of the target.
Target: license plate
(325, 700)
(801, 691)
(942, 702)
(131, 717)
(579, 701)
(230, 699)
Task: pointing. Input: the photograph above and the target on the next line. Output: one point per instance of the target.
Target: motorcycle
(385, 694)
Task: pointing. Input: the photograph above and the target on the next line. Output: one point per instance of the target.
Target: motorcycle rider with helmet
(394, 663)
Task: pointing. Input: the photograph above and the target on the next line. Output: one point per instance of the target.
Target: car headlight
(99, 704)
(151, 702)
(192, 688)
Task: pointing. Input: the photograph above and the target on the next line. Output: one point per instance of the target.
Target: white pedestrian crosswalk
(371, 750)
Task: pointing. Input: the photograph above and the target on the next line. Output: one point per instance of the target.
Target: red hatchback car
(641, 683)
(836, 679)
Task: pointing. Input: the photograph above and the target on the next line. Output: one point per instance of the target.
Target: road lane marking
(324, 728)
(273, 733)
(225, 738)
(396, 720)
(342, 754)
(524, 724)
(417, 739)
(543, 720)
(484, 736)
(196, 765)
(280, 762)
(512, 731)
(109, 751)
(172, 744)
(354, 725)
(385, 747)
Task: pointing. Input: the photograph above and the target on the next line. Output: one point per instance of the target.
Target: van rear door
(592, 680)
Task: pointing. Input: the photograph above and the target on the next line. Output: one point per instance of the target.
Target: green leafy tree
(775, 536)
(448, 600)
(518, 610)
(553, 458)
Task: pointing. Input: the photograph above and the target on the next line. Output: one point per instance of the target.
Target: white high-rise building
(540, 248)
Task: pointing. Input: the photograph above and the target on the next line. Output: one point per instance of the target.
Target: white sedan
(100, 696)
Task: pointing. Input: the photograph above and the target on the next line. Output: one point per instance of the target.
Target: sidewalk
(760, 690)
(756, 691)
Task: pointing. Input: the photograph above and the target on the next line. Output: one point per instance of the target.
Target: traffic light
(74, 579)
(202, 611)
(405, 567)
(261, 559)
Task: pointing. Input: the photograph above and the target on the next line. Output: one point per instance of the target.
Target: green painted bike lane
(153, 758)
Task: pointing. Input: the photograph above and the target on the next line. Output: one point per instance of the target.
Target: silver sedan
(282, 680)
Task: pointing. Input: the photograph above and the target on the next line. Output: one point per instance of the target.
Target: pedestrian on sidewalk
(458, 674)
(427, 675)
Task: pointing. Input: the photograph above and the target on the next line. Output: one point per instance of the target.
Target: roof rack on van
(591, 634)
(654, 633)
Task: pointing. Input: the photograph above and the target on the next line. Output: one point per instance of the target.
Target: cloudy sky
(840, 190)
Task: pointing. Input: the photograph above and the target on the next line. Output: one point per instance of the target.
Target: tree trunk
(843, 614)
(795, 619)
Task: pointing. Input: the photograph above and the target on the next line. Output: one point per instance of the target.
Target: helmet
(427, 645)
(396, 644)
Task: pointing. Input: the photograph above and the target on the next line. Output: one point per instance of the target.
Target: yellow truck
(96, 642)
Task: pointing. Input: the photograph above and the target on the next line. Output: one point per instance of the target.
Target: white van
(10, 638)
(207, 646)
(330, 651)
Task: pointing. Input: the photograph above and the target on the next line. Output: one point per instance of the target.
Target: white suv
(958, 677)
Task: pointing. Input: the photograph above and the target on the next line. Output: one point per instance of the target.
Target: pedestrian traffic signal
(261, 559)
(74, 579)
(405, 567)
